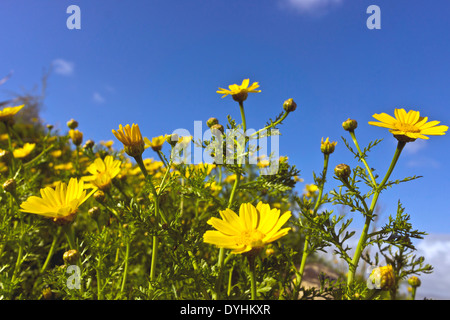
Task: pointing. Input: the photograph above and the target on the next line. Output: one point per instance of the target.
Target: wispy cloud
(98, 98)
(311, 6)
(63, 67)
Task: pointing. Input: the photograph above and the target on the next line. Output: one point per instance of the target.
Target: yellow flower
(131, 138)
(9, 112)
(156, 143)
(310, 190)
(61, 203)
(23, 152)
(250, 231)
(102, 172)
(382, 277)
(239, 92)
(327, 147)
(409, 126)
(76, 136)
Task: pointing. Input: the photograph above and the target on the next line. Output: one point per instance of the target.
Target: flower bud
(50, 126)
(382, 278)
(10, 185)
(72, 124)
(94, 212)
(217, 127)
(350, 124)
(414, 282)
(89, 144)
(76, 136)
(211, 122)
(99, 196)
(289, 105)
(342, 171)
(172, 139)
(71, 257)
(327, 147)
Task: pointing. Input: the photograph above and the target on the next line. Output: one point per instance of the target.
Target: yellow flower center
(406, 127)
(252, 238)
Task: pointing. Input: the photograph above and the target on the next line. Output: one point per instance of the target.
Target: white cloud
(97, 97)
(436, 251)
(413, 148)
(63, 67)
(311, 6)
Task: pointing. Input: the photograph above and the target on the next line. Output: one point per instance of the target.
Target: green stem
(141, 165)
(270, 126)
(352, 134)
(125, 269)
(220, 262)
(369, 215)
(305, 254)
(51, 250)
(252, 269)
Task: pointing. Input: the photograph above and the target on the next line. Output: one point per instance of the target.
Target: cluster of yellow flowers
(247, 232)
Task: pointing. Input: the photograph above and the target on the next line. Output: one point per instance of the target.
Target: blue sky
(159, 64)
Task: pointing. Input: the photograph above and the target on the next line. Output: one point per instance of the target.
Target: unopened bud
(172, 139)
(89, 144)
(72, 124)
(414, 282)
(71, 257)
(5, 156)
(217, 127)
(211, 122)
(99, 196)
(350, 125)
(76, 136)
(327, 147)
(342, 171)
(10, 185)
(94, 212)
(289, 105)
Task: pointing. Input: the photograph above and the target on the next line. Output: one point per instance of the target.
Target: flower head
(9, 112)
(131, 138)
(61, 203)
(156, 143)
(250, 231)
(239, 92)
(102, 172)
(23, 152)
(382, 277)
(76, 136)
(409, 126)
(310, 190)
(327, 147)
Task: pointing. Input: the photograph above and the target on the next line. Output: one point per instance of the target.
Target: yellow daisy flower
(409, 126)
(102, 172)
(156, 143)
(23, 152)
(310, 190)
(131, 138)
(60, 203)
(239, 92)
(9, 112)
(250, 231)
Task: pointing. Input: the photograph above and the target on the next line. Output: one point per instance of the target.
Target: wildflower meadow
(81, 220)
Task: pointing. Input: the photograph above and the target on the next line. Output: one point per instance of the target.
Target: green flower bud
(71, 257)
(99, 196)
(350, 125)
(342, 171)
(211, 122)
(414, 282)
(217, 127)
(72, 124)
(94, 212)
(10, 185)
(289, 105)
(327, 147)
